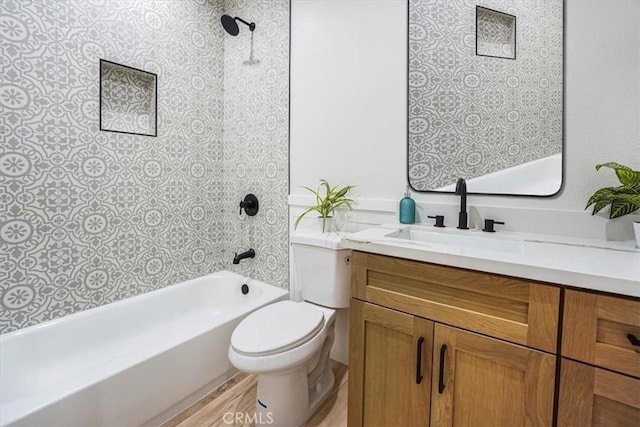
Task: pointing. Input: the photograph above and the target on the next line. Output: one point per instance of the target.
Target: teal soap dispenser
(407, 209)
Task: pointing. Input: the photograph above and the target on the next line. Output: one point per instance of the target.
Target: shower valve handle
(249, 204)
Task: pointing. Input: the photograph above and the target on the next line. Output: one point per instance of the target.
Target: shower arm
(251, 25)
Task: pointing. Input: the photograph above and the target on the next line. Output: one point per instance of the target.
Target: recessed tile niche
(128, 99)
(495, 33)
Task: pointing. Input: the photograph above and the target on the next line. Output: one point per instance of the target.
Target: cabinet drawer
(592, 397)
(596, 328)
(516, 310)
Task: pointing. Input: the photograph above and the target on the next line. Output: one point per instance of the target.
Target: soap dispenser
(407, 209)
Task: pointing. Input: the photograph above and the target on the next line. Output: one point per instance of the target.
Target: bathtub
(542, 177)
(133, 362)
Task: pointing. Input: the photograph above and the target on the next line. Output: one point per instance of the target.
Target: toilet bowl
(287, 344)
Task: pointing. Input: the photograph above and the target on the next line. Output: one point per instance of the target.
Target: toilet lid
(276, 328)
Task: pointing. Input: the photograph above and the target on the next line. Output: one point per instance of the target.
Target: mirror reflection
(485, 91)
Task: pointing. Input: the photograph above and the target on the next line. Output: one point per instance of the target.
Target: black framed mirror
(486, 96)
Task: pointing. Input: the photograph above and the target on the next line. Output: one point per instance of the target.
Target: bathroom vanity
(435, 340)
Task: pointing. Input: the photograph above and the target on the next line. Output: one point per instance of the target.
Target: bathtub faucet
(248, 254)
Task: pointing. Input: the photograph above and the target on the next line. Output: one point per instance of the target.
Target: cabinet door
(388, 352)
(483, 381)
(590, 396)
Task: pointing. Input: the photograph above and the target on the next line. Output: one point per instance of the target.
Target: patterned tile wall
(256, 139)
(90, 217)
(472, 115)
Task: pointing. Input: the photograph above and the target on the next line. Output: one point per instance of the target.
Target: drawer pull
(443, 351)
(419, 361)
(634, 341)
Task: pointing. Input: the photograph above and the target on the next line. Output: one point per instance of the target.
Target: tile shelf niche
(495, 33)
(128, 99)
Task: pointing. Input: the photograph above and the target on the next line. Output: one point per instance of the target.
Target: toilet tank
(323, 269)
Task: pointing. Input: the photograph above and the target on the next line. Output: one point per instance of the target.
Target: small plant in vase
(328, 199)
(624, 199)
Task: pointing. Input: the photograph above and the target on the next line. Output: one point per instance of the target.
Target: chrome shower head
(230, 24)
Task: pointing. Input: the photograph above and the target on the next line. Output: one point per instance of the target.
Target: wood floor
(239, 396)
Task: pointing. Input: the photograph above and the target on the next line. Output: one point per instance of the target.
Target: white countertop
(589, 264)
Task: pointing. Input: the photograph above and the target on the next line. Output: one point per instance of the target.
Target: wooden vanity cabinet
(600, 367)
(488, 335)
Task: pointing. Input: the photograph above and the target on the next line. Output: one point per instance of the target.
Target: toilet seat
(277, 328)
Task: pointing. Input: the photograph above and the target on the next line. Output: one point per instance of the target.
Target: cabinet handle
(419, 361)
(443, 351)
(634, 341)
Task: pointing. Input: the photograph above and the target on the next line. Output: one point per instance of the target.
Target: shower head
(231, 26)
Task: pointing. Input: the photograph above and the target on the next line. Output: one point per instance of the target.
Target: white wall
(348, 94)
(348, 110)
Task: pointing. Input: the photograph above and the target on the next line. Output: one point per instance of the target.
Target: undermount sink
(459, 238)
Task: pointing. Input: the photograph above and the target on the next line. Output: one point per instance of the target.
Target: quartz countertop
(605, 266)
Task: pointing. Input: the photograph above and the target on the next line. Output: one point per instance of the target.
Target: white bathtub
(542, 177)
(132, 362)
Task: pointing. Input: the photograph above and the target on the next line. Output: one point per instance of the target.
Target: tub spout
(248, 254)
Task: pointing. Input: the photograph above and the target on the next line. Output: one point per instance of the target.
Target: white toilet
(288, 343)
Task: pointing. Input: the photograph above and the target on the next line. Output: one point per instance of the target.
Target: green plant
(326, 204)
(624, 199)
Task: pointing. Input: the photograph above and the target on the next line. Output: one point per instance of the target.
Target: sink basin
(459, 238)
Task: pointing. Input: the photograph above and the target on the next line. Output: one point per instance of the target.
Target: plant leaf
(601, 204)
(625, 174)
(631, 198)
(623, 199)
(311, 209)
(326, 186)
(332, 199)
(341, 203)
(612, 165)
(624, 204)
(344, 191)
(600, 195)
(315, 193)
(628, 189)
(628, 177)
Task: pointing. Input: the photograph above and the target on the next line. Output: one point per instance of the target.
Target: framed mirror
(486, 96)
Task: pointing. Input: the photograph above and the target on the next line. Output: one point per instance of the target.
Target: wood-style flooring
(239, 396)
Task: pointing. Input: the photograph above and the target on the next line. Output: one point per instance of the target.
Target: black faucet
(248, 254)
(461, 190)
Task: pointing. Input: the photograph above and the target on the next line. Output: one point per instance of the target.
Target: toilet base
(320, 392)
(286, 399)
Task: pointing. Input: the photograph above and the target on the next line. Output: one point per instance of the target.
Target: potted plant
(624, 199)
(332, 199)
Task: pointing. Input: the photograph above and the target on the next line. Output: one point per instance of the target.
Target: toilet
(287, 344)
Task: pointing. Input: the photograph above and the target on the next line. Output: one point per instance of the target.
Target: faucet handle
(488, 225)
(249, 204)
(439, 220)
